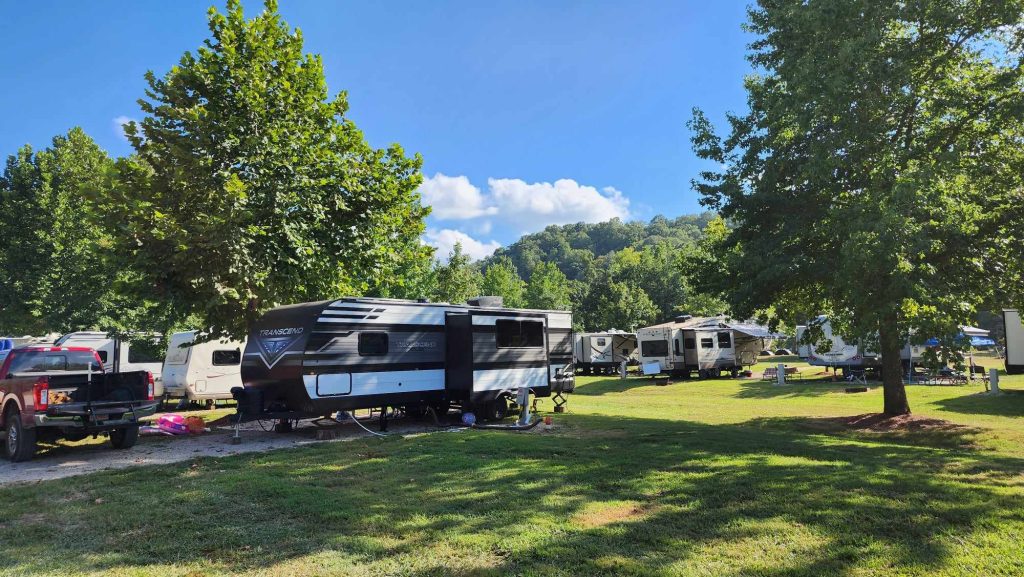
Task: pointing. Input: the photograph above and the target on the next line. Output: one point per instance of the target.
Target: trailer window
(707, 343)
(690, 343)
(227, 358)
(724, 341)
(103, 356)
(601, 342)
(519, 334)
(372, 344)
(145, 352)
(654, 348)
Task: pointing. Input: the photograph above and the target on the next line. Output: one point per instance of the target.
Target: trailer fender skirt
(507, 427)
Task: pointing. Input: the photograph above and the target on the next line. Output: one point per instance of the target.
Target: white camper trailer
(202, 372)
(119, 356)
(708, 346)
(597, 353)
(1014, 341)
(846, 356)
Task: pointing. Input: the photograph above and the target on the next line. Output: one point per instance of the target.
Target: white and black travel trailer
(1014, 341)
(708, 346)
(202, 372)
(597, 353)
(356, 353)
(120, 356)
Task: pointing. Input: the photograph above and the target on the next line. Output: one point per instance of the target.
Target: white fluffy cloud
(118, 125)
(454, 198)
(539, 204)
(528, 206)
(444, 240)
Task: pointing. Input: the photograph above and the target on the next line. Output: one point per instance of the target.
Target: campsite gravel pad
(67, 461)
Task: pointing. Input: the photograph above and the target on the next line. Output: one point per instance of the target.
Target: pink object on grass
(172, 423)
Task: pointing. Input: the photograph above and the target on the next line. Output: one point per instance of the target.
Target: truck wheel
(124, 438)
(20, 444)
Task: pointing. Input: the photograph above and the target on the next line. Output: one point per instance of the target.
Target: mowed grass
(715, 478)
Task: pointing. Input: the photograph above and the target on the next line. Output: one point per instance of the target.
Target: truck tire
(20, 444)
(124, 438)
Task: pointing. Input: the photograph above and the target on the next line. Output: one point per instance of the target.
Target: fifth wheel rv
(709, 346)
(357, 353)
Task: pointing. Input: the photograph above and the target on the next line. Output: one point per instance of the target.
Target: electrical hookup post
(993, 381)
(780, 374)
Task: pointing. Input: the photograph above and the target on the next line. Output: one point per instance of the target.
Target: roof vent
(490, 302)
(683, 318)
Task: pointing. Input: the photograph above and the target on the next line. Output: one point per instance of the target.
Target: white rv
(707, 345)
(119, 356)
(1014, 341)
(846, 356)
(202, 372)
(597, 353)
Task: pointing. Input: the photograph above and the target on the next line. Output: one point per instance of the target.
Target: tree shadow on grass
(1008, 404)
(608, 385)
(601, 495)
(759, 389)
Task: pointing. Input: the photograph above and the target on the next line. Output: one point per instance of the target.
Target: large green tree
(502, 279)
(456, 280)
(57, 267)
(548, 288)
(868, 178)
(250, 188)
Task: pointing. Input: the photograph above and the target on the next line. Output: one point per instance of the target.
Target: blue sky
(527, 113)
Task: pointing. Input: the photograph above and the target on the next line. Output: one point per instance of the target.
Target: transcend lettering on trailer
(654, 348)
(519, 334)
(284, 332)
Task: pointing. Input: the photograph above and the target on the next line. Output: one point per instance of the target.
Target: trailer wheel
(496, 410)
(125, 437)
(20, 444)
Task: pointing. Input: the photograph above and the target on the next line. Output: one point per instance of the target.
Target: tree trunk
(892, 369)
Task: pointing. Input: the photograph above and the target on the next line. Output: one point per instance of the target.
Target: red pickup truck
(48, 393)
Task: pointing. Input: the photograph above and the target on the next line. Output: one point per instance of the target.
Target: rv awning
(756, 331)
(976, 341)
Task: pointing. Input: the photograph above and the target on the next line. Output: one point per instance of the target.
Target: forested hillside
(618, 274)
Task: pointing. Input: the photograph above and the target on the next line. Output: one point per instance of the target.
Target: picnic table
(772, 373)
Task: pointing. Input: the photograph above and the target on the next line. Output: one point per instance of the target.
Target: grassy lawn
(694, 478)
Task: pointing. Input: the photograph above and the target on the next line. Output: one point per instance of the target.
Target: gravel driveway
(67, 460)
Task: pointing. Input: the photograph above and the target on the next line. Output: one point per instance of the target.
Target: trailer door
(458, 352)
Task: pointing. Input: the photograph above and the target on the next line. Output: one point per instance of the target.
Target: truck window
(227, 358)
(724, 341)
(601, 342)
(373, 344)
(707, 343)
(53, 361)
(519, 334)
(654, 348)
